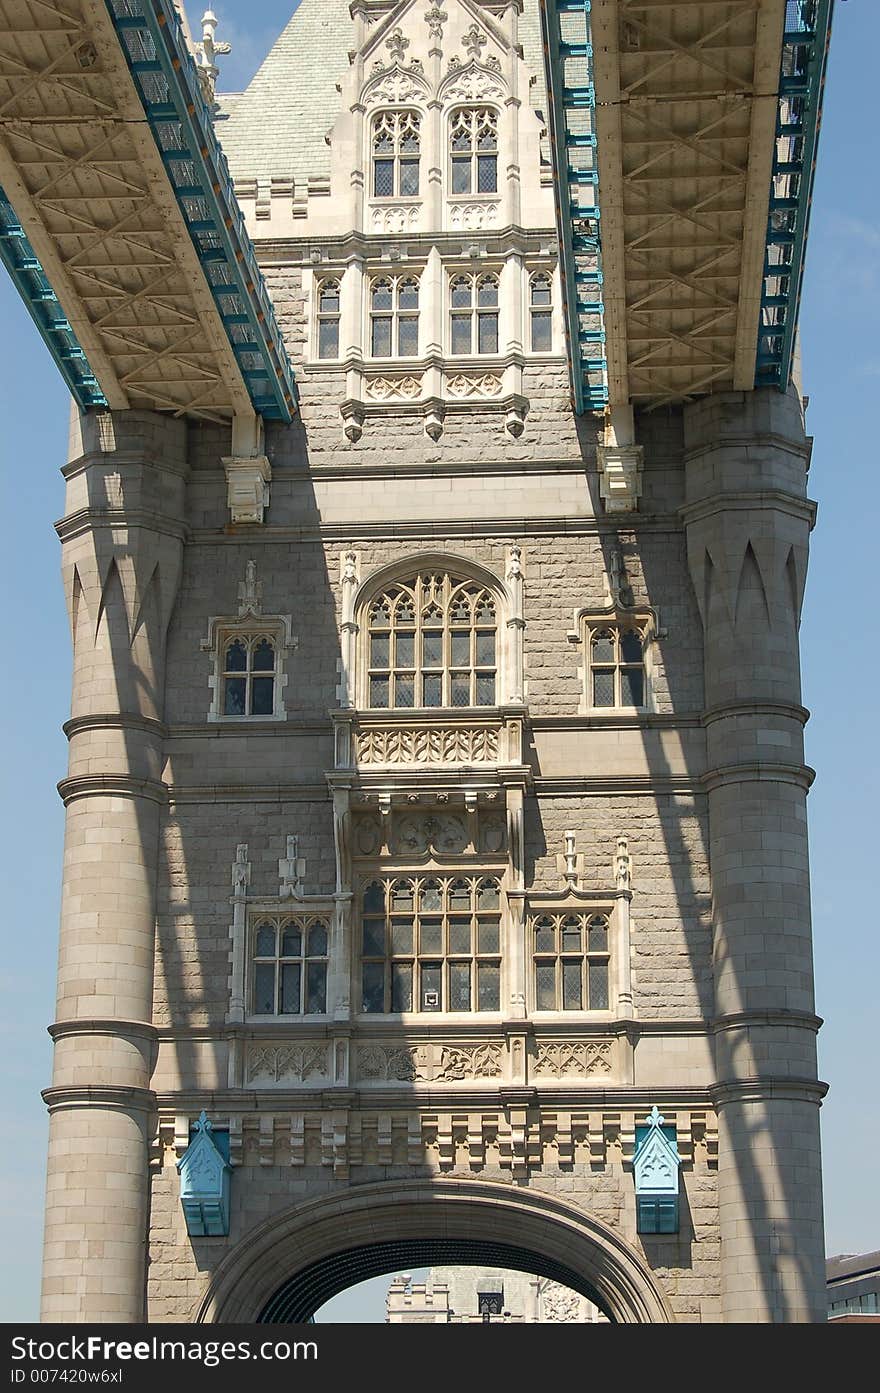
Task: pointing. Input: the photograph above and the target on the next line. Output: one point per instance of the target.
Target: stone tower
(436, 803)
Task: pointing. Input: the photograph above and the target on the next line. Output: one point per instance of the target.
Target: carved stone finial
(435, 18)
(241, 870)
(623, 865)
(397, 45)
(250, 592)
(291, 869)
(206, 52)
(570, 858)
(474, 41)
(621, 590)
(514, 563)
(349, 568)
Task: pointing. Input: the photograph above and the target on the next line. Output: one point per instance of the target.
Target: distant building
(854, 1287)
(469, 1295)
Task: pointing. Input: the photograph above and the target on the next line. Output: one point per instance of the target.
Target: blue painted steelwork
(568, 55)
(801, 86)
(33, 286)
(167, 83)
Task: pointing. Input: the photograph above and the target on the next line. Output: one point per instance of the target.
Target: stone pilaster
(748, 523)
(122, 543)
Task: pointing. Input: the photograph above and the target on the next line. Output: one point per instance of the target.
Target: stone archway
(288, 1266)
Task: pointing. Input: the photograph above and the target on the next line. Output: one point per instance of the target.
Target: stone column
(122, 544)
(748, 523)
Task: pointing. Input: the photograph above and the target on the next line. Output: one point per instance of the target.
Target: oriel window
(328, 319)
(541, 312)
(396, 154)
(474, 314)
(394, 317)
(473, 139)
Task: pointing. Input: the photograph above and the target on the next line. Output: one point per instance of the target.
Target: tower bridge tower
(436, 883)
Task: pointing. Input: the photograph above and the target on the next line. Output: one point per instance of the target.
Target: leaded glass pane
(408, 295)
(487, 895)
(318, 941)
(485, 611)
(316, 989)
(632, 686)
(373, 981)
(603, 687)
(460, 649)
(264, 989)
(488, 987)
(382, 295)
(433, 693)
(545, 986)
(459, 895)
(571, 936)
(401, 936)
(236, 657)
(460, 610)
(461, 333)
(264, 657)
(401, 986)
(291, 975)
(329, 299)
(572, 989)
(542, 331)
(598, 936)
(381, 337)
(374, 898)
(431, 936)
(409, 178)
(432, 648)
(263, 696)
(541, 290)
(405, 650)
(379, 692)
(487, 293)
(545, 938)
(459, 936)
(486, 650)
(328, 338)
(383, 178)
(235, 688)
(459, 986)
(487, 174)
(630, 647)
(430, 896)
(374, 938)
(487, 936)
(407, 338)
(431, 998)
(488, 333)
(402, 897)
(461, 174)
(265, 945)
(460, 688)
(485, 689)
(603, 648)
(291, 942)
(598, 986)
(461, 293)
(405, 689)
(405, 613)
(379, 650)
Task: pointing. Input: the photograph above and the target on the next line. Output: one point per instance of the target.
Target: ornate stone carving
(455, 745)
(397, 44)
(435, 18)
(623, 865)
(487, 385)
(473, 217)
(402, 218)
(473, 83)
(382, 388)
(469, 1062)
(563, 1058)
(297, 1062)
(250, 592)
(395, 85)
(368, 836)
(474, 41)
(493, 834)
(559, 1303)
(384, 1063)
(445, 834)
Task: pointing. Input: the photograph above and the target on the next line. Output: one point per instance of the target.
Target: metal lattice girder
(155, 272)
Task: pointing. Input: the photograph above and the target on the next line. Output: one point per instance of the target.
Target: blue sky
(841, 368)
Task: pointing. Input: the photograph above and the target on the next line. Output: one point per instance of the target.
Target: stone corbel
(352, 413)
(247, 482)
(620, 476)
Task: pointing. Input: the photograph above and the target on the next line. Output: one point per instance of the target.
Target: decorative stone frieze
(487, 384)
(560, 1059)
(384, 388)
(429, 745)
(288, 1063)
(473, 215)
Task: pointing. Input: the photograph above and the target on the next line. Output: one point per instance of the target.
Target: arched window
(431, 943)
(473, 151)
(617, 665)
(248, 676)
(571, 962)
(328, 319)
(396, 154)
(394, 317)
(541, 311)
(432, 641)
(474, 314)
(289, 966)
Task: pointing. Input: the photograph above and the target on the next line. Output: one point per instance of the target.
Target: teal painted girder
(33, 286)
(801, 87)
(568, 60)
(167, 82)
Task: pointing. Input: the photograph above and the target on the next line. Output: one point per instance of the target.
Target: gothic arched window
(394, 317)
(248, 675)
(473, 308)
(396, 154)
(328, 319)
(473, 150)
(289, 966)
(617, 665)
(432, 641)
(571, 957)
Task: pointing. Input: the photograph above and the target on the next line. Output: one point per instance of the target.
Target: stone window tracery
(396, 152)
(541, 312)
(328, 319)
(394, 317)
(617, 664)
(571, 959)
(432, 642)
(473, 308)
(289, 960)
(473, 151)
(431, 943)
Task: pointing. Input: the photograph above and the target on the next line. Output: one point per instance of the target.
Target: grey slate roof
(278, 125)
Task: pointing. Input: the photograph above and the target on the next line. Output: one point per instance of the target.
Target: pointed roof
(278, 125)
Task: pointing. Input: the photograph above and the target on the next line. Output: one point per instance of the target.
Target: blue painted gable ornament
(656, 1164)
(204, 1183)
